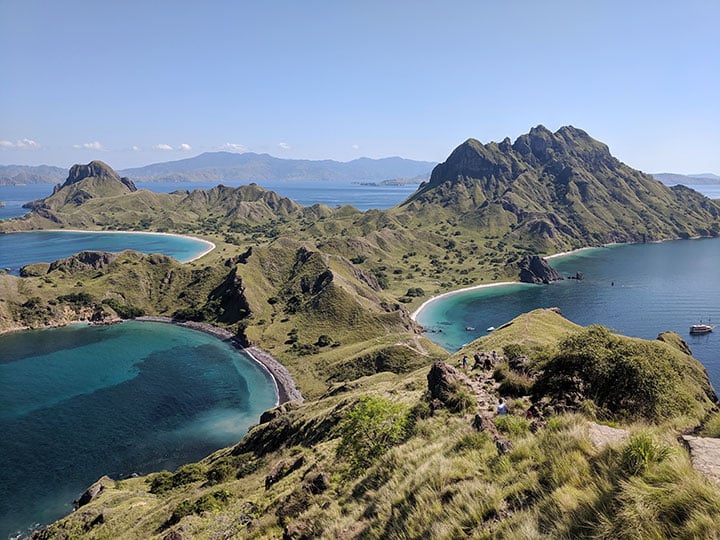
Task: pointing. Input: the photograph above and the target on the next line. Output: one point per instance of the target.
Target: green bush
(370, 429)
(624, 377)
(128, 312)
(165, 481)
(207, 503)
(512, 425)
(712, 426)
(641, 451)
(459, 398)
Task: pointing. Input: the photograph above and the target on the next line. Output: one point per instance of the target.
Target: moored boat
(702, 328)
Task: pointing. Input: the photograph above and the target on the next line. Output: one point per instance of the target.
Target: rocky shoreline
(286, 388)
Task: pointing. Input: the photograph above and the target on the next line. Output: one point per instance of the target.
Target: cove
(21, 248)
(637, 290)
(80, 402)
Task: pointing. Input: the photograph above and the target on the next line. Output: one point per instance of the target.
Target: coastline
(427, 302)
(209, 246)
(281, 377)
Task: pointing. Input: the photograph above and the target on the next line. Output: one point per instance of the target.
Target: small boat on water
(491, 328)
(696, 329)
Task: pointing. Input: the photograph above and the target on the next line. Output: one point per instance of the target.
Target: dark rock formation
(83, 261)
(441, 378)
(282, 469)
(534, 269)
(96, 169)
(92, 492)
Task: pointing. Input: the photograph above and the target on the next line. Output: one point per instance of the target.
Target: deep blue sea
(80, 402)
(637, 290)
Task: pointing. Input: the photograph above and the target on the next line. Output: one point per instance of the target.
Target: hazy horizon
(137, 83)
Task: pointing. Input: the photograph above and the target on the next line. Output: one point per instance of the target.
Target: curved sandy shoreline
(429, 301)
(209, 245)
(281, 377)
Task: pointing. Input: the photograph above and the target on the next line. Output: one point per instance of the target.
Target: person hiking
(502, 408)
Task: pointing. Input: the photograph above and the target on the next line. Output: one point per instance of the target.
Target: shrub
(207, 503)
(370, 429)
(459, 399)
(642, 451)
(128, 312)
(415, 292)
(712, 426)
(512, 425)
(324, 341)
(515, 385)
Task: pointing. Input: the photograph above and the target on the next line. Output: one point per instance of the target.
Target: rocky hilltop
(84, 182)
(551, 189)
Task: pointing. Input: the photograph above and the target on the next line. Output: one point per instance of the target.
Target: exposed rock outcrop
(83, 261)
(441, 378)
(534, 269)
(96, 169)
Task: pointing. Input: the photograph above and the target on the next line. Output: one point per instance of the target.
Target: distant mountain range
(247, 167)
(23, 174)
(672, 179)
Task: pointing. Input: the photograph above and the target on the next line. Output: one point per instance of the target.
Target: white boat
(491, 328)
(702, 328)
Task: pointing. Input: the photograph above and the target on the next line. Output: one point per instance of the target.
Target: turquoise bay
(638, 290)
(80, 402)
(19, 249)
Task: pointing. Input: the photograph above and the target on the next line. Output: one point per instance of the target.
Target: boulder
(440, 379)
(534, 269)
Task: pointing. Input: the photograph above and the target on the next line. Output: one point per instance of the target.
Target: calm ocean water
(80, 402)
(637, 290)
(19, 249)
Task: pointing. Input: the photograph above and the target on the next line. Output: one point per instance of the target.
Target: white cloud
(185, 147)
(27, 144)
(163, 147)
(95, 145)
(233, 147)
(135, 148)
(356, 147)
(284, 146)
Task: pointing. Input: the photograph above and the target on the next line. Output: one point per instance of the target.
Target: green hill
(559, 190)
(380, 448)
(380, 457)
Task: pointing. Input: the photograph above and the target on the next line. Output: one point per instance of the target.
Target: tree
(370, 429)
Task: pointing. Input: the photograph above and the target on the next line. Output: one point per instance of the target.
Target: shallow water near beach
(80, 402)
(19, 249)
(637, 290)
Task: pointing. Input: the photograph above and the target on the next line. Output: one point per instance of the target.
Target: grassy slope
(307, 273)
(444, 480)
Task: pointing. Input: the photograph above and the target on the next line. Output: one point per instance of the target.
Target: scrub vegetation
(374, 451)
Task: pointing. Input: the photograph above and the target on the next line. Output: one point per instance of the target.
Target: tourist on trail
(488, 362)
(478, 362)
(464, 362)
(502, 408)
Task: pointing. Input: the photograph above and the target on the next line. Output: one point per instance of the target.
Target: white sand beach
(415, 313)
(209, 245)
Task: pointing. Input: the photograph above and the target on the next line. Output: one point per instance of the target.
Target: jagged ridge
(556, 188)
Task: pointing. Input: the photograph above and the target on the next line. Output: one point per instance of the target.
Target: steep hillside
(559, 190)
(423, 455)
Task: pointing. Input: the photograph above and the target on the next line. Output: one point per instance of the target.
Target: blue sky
(137, 82)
